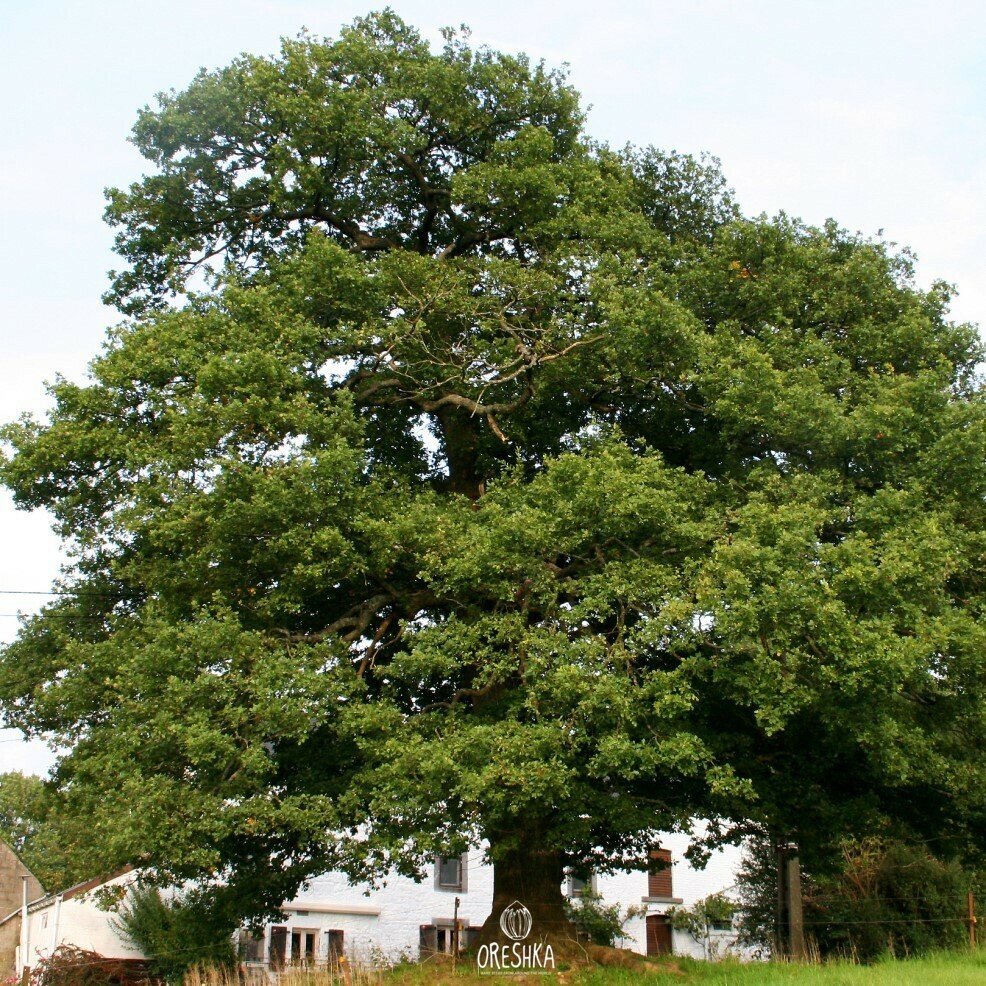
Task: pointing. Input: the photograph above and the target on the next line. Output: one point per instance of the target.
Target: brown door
(335, 948)
(658, 934)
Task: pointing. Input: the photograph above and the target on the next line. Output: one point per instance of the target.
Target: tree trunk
(459, 432)
(531, 877)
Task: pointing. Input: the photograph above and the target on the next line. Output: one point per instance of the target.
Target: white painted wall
(403, 905)
(77, 921)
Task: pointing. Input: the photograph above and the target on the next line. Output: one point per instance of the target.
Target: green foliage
(176, 933)
(871, 897)
(889, 897)
(372, 137)
(755, 888)
(601, 923)
(714, 912)
(22, 809)
(500, 487)
(51, 843)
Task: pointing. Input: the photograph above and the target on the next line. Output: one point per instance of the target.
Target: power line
(31, 592)
(53, 592)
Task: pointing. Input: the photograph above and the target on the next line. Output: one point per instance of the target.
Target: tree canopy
(493, 485)
(52, 844)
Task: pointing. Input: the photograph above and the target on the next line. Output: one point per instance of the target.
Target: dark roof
(40, 903)
(81, 888)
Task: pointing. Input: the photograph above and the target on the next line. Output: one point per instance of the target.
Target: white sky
(870, 112)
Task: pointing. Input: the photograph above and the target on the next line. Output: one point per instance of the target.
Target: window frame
(588, 883)
(463, 884)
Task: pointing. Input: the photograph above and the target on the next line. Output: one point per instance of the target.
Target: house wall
(77, 921)
(689, 886)
(10, 935)
(402, 906)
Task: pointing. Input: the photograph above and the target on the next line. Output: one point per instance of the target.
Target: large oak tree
(493, 485)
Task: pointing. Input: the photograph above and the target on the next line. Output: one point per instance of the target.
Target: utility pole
(971, 919)
(790, 926)
(780, 913)
(25, 933)
(795, 911)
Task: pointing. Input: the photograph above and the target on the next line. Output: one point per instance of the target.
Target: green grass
(947, 969)
(944, 969)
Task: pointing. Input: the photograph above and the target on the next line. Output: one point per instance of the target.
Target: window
(450, 873)
(659, 874)
(250, 947)
(577, 883)
(440, 937)
(303, 946)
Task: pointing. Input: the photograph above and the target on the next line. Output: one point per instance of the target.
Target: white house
(403, 919)
(408, 919)
(72, 917)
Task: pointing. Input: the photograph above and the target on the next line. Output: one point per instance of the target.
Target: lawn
(953, 969)
(938, 970)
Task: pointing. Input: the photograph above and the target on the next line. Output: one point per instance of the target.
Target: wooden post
(455, 932)
(780, 938)
(790, 931)
(795, 911)
(972, 919)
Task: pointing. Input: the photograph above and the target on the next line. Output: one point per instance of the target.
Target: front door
(658, 934)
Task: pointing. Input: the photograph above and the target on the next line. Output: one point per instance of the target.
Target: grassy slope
(938, 970)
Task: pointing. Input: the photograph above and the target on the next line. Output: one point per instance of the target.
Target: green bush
(889, 897)
(879, 896)
(175, 933)
(601, 923)
(714, 912)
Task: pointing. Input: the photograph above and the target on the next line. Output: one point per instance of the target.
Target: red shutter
(278, 946)
(659, 874)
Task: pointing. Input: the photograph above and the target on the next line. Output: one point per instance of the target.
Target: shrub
(713, 912)
(889, 897)
(175, 933)
(878, 896)
(600, 923)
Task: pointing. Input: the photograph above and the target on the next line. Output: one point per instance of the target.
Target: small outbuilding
(77, 916)
(17, 885)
